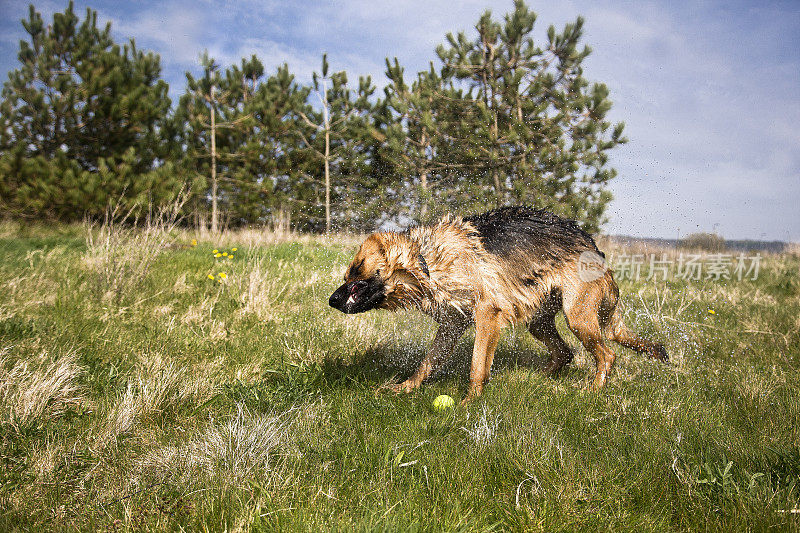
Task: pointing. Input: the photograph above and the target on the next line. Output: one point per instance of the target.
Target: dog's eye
(378, 272)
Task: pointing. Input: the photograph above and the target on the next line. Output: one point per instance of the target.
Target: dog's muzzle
(358, 296)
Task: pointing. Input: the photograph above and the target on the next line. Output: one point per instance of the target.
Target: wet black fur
(518, 229)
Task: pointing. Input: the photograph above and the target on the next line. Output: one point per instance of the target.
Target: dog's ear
(406, 277)
(412, 274)
(404, 254)
(370, 259)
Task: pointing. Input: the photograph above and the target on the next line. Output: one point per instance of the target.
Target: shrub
(709, 242)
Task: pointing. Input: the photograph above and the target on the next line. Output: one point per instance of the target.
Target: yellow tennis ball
(443, 402)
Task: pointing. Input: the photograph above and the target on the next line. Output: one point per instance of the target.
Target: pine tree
(369, 189)
(215, 127)
(411, 138)
(81, 120)
(516, 123)
(425, 143)
(333, 133)
(271, 174)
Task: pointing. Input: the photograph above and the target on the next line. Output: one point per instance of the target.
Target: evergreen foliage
(499, 119)
(81, 122)
(507, 121)
(335, 131)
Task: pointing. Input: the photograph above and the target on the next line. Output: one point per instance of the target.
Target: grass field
(136, 393)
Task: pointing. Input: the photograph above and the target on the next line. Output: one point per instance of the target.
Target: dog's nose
(338, 298)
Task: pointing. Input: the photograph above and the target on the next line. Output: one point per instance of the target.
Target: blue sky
(710, 91)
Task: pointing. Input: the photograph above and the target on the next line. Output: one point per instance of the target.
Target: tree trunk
(327, 123)
(423, 179)
(327, 180)
(489, 85)
(214, 215)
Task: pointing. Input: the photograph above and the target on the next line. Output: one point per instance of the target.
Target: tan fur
(465, 284)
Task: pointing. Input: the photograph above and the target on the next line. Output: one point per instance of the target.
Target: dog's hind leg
(543, 328)
(442, 346)
(583, 309)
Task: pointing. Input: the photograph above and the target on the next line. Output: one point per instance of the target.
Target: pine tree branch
(308, 144)
(307, 121)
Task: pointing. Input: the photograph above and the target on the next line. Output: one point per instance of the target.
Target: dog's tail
(616, 330)
(619, 332)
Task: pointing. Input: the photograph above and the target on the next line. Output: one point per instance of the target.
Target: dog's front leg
(442, 346)
(487, 333)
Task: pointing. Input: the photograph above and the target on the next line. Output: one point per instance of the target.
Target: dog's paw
(472, 394)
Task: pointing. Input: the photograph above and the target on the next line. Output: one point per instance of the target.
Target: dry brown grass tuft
(266, 295)
(618, 246)
(245, 446)
(259, 289)
(483, 431)
(157, 386)
(9, 228)
(257, 237)
(36, 389)
(39, 283)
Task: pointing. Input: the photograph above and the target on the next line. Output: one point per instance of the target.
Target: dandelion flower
(234, 249)
(215, 251)
(194, 242)
(230, 256)
(712, 312)
(217, 254)
(222, 275)
(211, 276)
(224, 254)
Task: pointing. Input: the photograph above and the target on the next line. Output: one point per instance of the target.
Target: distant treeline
(497, 119)
(692, 242)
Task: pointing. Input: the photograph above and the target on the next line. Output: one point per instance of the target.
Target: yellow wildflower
(194, 242)
(215, 251)
(224, 254)
(234, 249)
(712, 312)
(222, 275)
(230, 256)
(211, 276)
(217, 255)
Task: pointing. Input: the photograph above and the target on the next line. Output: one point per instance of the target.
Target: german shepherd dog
(510, 265)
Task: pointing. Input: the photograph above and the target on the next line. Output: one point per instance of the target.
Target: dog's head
(384, 274)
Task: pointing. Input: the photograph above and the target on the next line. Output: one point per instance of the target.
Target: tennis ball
(443, 402)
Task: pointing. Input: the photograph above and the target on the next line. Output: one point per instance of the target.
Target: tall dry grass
(122, 249)
(36, 389)
(255, 237)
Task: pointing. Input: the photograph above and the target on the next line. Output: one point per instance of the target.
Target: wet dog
(507, 266)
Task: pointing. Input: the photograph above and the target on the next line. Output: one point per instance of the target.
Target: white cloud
(176, 31)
